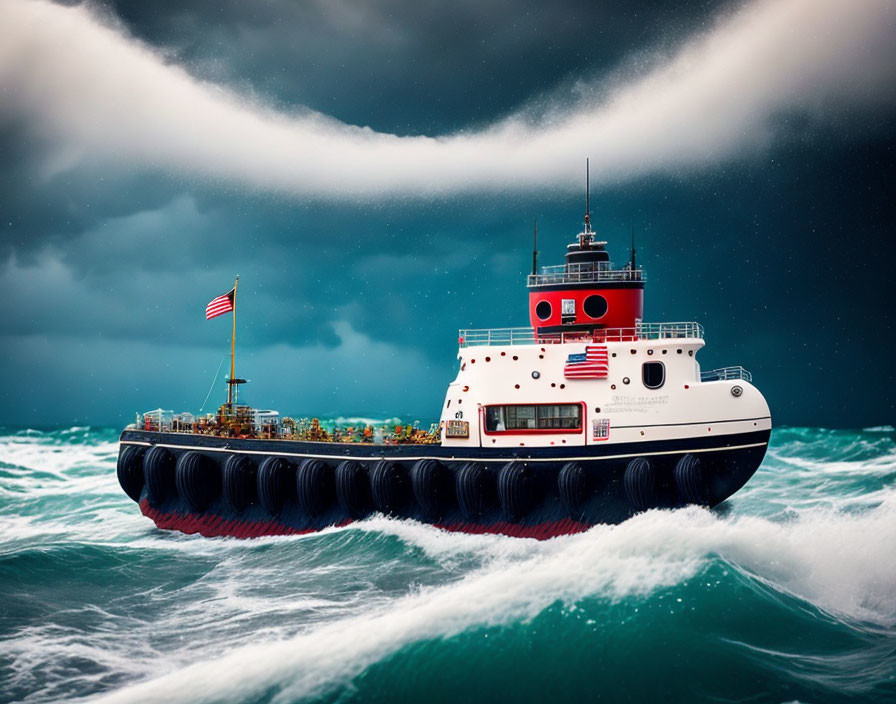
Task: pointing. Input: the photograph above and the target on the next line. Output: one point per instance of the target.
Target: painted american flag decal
(593, 364)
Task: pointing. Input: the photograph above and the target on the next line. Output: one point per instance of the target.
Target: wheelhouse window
(547, 418)
(653, 374)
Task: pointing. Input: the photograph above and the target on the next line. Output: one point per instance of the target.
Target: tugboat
(590, 415)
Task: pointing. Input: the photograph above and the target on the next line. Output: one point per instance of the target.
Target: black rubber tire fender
(158, 473)
(432, 487)
(130, 470)
(516, 490)
(474, 490)
(573, 485)
(315, 487)
(198, 480)
(390, 487)
(240, 482)
(690, 480)
(639, 483)
(274, 484)
(353, 488)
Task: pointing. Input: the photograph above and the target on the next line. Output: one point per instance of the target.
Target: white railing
(726, 373)
(576, 274)
(528, 336)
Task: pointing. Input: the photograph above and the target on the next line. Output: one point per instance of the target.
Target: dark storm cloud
(409, 67)
(775, 259)
(98, 97)
(351, 305)
(307, 266)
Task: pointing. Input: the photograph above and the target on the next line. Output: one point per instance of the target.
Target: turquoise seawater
(785, 593)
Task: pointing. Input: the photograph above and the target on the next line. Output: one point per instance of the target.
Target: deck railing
(582, 273)
(726, 373)
(528, 336)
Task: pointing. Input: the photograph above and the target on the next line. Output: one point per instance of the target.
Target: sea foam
(195, 619)
(837, 562)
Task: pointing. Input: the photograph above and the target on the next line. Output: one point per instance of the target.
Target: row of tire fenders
(387, 487)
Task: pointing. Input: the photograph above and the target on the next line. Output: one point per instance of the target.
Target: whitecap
(838, 562)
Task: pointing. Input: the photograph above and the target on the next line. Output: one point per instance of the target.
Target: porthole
(488, 359)
(535, 375)
(543, 310)
(626, 380)
(653, 374)
(649, 353)
(595, 306)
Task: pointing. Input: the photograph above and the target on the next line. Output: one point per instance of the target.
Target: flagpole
(232, 348)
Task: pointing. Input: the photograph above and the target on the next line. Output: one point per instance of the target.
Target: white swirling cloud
(89, 93)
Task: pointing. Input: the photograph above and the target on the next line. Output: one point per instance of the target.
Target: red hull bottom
(213, 526)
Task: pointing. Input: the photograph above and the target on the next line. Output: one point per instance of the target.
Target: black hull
(188, 484)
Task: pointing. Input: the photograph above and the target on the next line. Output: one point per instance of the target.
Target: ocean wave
(361, 420)
(836, 562)
(98, 602)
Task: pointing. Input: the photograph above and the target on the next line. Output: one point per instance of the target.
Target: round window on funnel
(595, 306)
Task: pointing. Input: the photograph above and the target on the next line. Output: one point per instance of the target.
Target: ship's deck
(303, 449)
(529, 336)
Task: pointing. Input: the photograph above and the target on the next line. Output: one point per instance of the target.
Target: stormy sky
(372, 171)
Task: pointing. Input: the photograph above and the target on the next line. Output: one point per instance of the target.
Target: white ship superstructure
(511, 390)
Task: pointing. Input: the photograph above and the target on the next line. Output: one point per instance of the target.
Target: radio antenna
(587, 195)
(633, 247)
(535, 248)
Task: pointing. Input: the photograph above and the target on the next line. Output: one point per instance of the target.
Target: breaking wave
(791, 585)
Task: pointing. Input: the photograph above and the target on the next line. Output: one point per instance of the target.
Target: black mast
(535, 249)
(587, 195)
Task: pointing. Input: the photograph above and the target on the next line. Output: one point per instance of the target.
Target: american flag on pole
(220, 305)
(591, 365)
